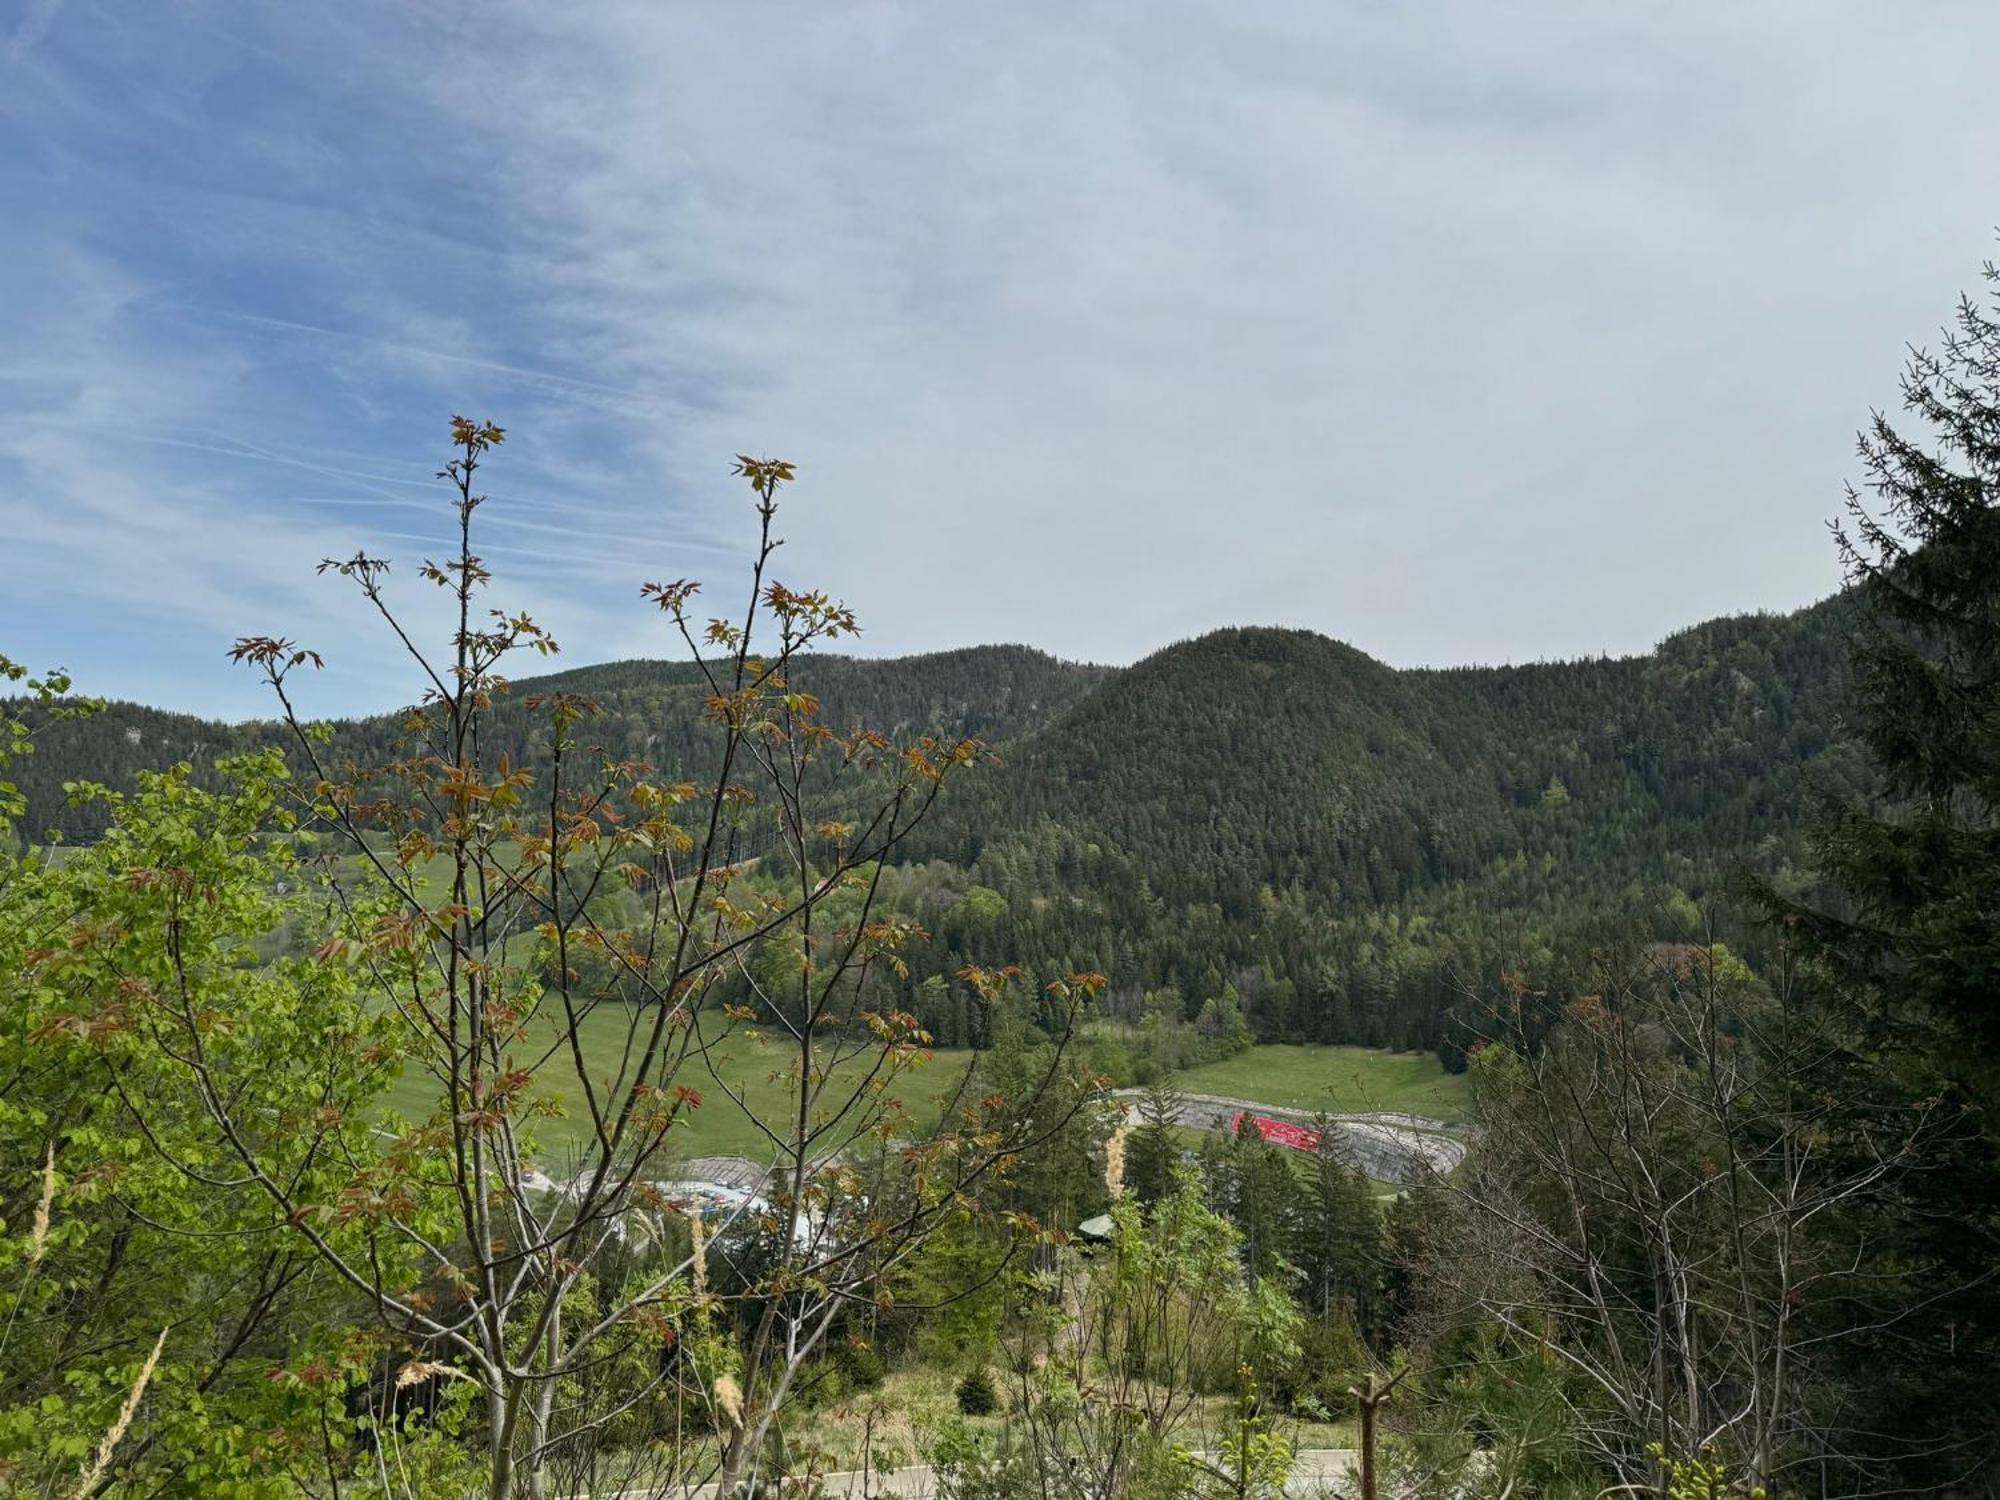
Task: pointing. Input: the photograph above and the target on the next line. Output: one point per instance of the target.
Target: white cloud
(1457, 331)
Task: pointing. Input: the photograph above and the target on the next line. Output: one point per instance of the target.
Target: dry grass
(892, 1427)
(112, 1438)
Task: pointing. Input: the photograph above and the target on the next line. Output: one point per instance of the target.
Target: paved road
(1388, 1147)
(1313, 1470)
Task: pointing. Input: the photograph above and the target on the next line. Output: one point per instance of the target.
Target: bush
(861, 1365)
(976, 1393)
(973, 1464)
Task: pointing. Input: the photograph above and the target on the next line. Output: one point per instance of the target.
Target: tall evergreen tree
(1339, 1235)
(1917, 932)
(1251, 1183)
(1923, 867)
(1152, 1150)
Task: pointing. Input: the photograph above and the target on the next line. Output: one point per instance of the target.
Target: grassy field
(719, 1127)
(1344, 1080)
(891, 1426)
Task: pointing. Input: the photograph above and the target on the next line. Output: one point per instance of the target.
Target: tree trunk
(1370, 1400)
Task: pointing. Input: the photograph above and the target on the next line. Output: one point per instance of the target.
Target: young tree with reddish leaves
(469, 1236)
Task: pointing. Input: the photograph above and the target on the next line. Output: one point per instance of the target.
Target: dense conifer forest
(1261, 818)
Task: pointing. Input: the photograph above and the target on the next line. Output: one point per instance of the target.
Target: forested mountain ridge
(1348, 846)
(1259, 816)
(647, 710)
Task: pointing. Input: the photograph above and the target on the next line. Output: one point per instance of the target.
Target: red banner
(1278, 1132)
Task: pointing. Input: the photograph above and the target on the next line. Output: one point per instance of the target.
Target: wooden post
(1371, 1396)
(1369, 1401)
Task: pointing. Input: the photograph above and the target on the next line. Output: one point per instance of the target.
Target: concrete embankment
(1389, 1147)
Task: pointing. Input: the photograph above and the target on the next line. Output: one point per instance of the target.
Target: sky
(1458, 331)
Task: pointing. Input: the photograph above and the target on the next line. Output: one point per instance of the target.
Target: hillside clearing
(1340, 1080)
(719, 1127)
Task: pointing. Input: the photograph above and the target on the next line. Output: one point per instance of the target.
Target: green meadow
(1341, 1080)
(754, 1069)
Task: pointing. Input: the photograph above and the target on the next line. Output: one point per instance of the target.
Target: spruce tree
(1340, 1246)
(1251, 1183)
(1922, 866)
(1914, 930)
(1153, 1150)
